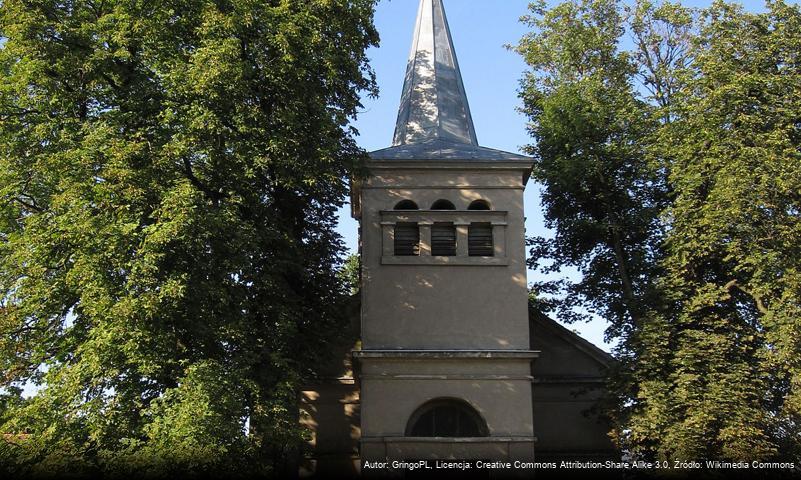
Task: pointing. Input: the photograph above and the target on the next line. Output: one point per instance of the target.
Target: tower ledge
(445, 150)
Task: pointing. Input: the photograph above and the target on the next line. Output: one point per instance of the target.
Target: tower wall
(445, 327)
(456, 302)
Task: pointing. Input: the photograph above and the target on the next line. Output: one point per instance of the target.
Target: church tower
(445, 364)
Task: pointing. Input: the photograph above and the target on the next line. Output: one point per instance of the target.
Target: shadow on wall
(454, 199)
(461, 299)
(435, 288)
(329, 409)
(569, 392)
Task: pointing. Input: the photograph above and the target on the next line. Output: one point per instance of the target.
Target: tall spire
(434, 103)
(434, 122)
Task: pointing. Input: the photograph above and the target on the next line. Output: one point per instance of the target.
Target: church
(445, 359)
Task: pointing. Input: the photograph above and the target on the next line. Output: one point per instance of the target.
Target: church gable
(568, 388)
(563, 353)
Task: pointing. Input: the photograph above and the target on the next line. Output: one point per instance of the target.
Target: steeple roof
(434, 103)
(434, 121)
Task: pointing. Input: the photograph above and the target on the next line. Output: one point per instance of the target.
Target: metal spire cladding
(434, 103)
(434, 121)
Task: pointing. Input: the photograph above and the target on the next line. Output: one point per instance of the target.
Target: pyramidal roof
(434, 121)
(434, 103)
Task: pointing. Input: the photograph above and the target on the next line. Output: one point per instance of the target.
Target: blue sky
(491, 74)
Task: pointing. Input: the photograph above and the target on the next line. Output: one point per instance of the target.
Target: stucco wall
(442, 307)
(566, 382)
(330, 412)
(499, 390)
(568, 385)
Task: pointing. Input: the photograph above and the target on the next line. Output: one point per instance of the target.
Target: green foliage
(350, 274)
(733, 255)
(195, 424)
(169, 176)
(602, 195)
(709, 345)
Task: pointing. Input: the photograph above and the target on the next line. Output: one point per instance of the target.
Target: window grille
(446, 418)
(479, 240)
(407, 239)
(443, 240)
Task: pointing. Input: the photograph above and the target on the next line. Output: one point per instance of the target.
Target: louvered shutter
(443, 240)
(407, 239)
(479, 240)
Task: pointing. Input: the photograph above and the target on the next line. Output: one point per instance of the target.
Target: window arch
(443, 204)
(406, 205)
(479, 205)
(446, 417)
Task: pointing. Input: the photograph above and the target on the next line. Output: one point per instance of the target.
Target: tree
(602, 196)
(169, 175)
(698, 128)
(730, 339)
(350, 274)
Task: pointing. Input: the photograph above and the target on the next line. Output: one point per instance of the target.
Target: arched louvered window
(443, 205)
(479, 240)
(443, 239)
(446, 418)
(406, 205)
(407, 239)
(479, 205)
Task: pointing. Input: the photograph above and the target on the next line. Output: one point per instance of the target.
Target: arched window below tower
(479, 240)
(443, 204)
(407, 239)
(446, 418)
(406, 205)
(479, 205)
(443, 239)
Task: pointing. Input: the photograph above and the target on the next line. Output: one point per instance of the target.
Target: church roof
(434, 121)
(538, 320)
(438, 149)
